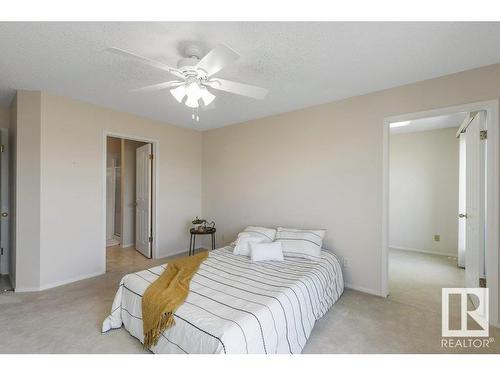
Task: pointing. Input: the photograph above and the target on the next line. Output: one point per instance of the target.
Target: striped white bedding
(236, 306)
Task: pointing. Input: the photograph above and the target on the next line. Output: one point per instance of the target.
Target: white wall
(322, 167)
(60, 186)
(423, 194)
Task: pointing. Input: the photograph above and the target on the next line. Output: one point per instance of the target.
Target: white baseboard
(172, 254)
(24, 290)
(59, 283)
(364, 290)
(71, 280)
(403, 248)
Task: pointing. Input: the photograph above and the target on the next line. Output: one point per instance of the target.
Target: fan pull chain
(195, 116)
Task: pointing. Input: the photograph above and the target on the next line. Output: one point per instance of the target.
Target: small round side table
(194, 232)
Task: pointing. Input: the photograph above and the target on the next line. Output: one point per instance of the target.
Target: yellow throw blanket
(163, 297)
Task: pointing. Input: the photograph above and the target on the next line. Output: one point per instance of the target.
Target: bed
(238, 306)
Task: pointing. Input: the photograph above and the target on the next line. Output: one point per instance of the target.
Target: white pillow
(269, 234)
(242, 243)
(265, 251)
(302, 243)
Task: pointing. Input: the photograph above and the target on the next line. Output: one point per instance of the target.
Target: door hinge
(483, 134)
(151, 157)
(482, 282)
(1, 250)
(2, 148)
(150, 238)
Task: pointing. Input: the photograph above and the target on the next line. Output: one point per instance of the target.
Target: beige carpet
(68, 319)
(417, 278)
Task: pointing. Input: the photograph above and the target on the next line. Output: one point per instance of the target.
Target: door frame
(5, 259)
(155, 197)
(492, 196)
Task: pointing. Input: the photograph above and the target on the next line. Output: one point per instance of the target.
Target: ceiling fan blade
(238, 88)
(158, 86)
(145, 60)
(217, 59)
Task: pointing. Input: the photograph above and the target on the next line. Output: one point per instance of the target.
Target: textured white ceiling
(453, 120)
(302, 64)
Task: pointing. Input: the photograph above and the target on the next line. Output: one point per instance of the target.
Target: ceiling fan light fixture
(179, 93)
(207, 96)
(195, 76)
(192, 102)
(193, 90)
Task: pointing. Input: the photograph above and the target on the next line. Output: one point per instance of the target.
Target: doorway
(424, 169)
(130, 203)
(490, 194)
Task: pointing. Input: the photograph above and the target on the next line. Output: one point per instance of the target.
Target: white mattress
(236, 306)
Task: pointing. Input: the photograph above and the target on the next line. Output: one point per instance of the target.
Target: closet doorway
(129, 200)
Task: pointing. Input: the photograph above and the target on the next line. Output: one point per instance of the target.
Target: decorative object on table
(202, 227)
(202, 224)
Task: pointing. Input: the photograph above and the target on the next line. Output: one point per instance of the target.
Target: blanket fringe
(152, 336)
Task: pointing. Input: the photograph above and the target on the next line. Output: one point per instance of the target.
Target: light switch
(437, 237)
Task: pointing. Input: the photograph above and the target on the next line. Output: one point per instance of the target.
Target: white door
(461, 202)
(474, 201)
(143, 239)
(4, 203)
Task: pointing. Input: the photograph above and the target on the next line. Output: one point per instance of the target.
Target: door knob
(5, 214)
(462, 215)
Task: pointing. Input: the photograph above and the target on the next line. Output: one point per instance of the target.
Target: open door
(461, 201)
(143, 234)
(474, 214)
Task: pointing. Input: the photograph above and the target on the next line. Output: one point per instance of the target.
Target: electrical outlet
(437, 237)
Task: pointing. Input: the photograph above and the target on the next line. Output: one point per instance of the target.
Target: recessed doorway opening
(440, 211)
(424, 161)
(129, 200)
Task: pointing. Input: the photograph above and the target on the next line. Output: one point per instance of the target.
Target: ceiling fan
(195, 76)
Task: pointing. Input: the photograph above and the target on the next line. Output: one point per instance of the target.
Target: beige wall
(423, 194)
(60, 186)
(321, 167)
(316, 167)
(27, 191)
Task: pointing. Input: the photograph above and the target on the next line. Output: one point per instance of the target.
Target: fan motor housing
(188, 64)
